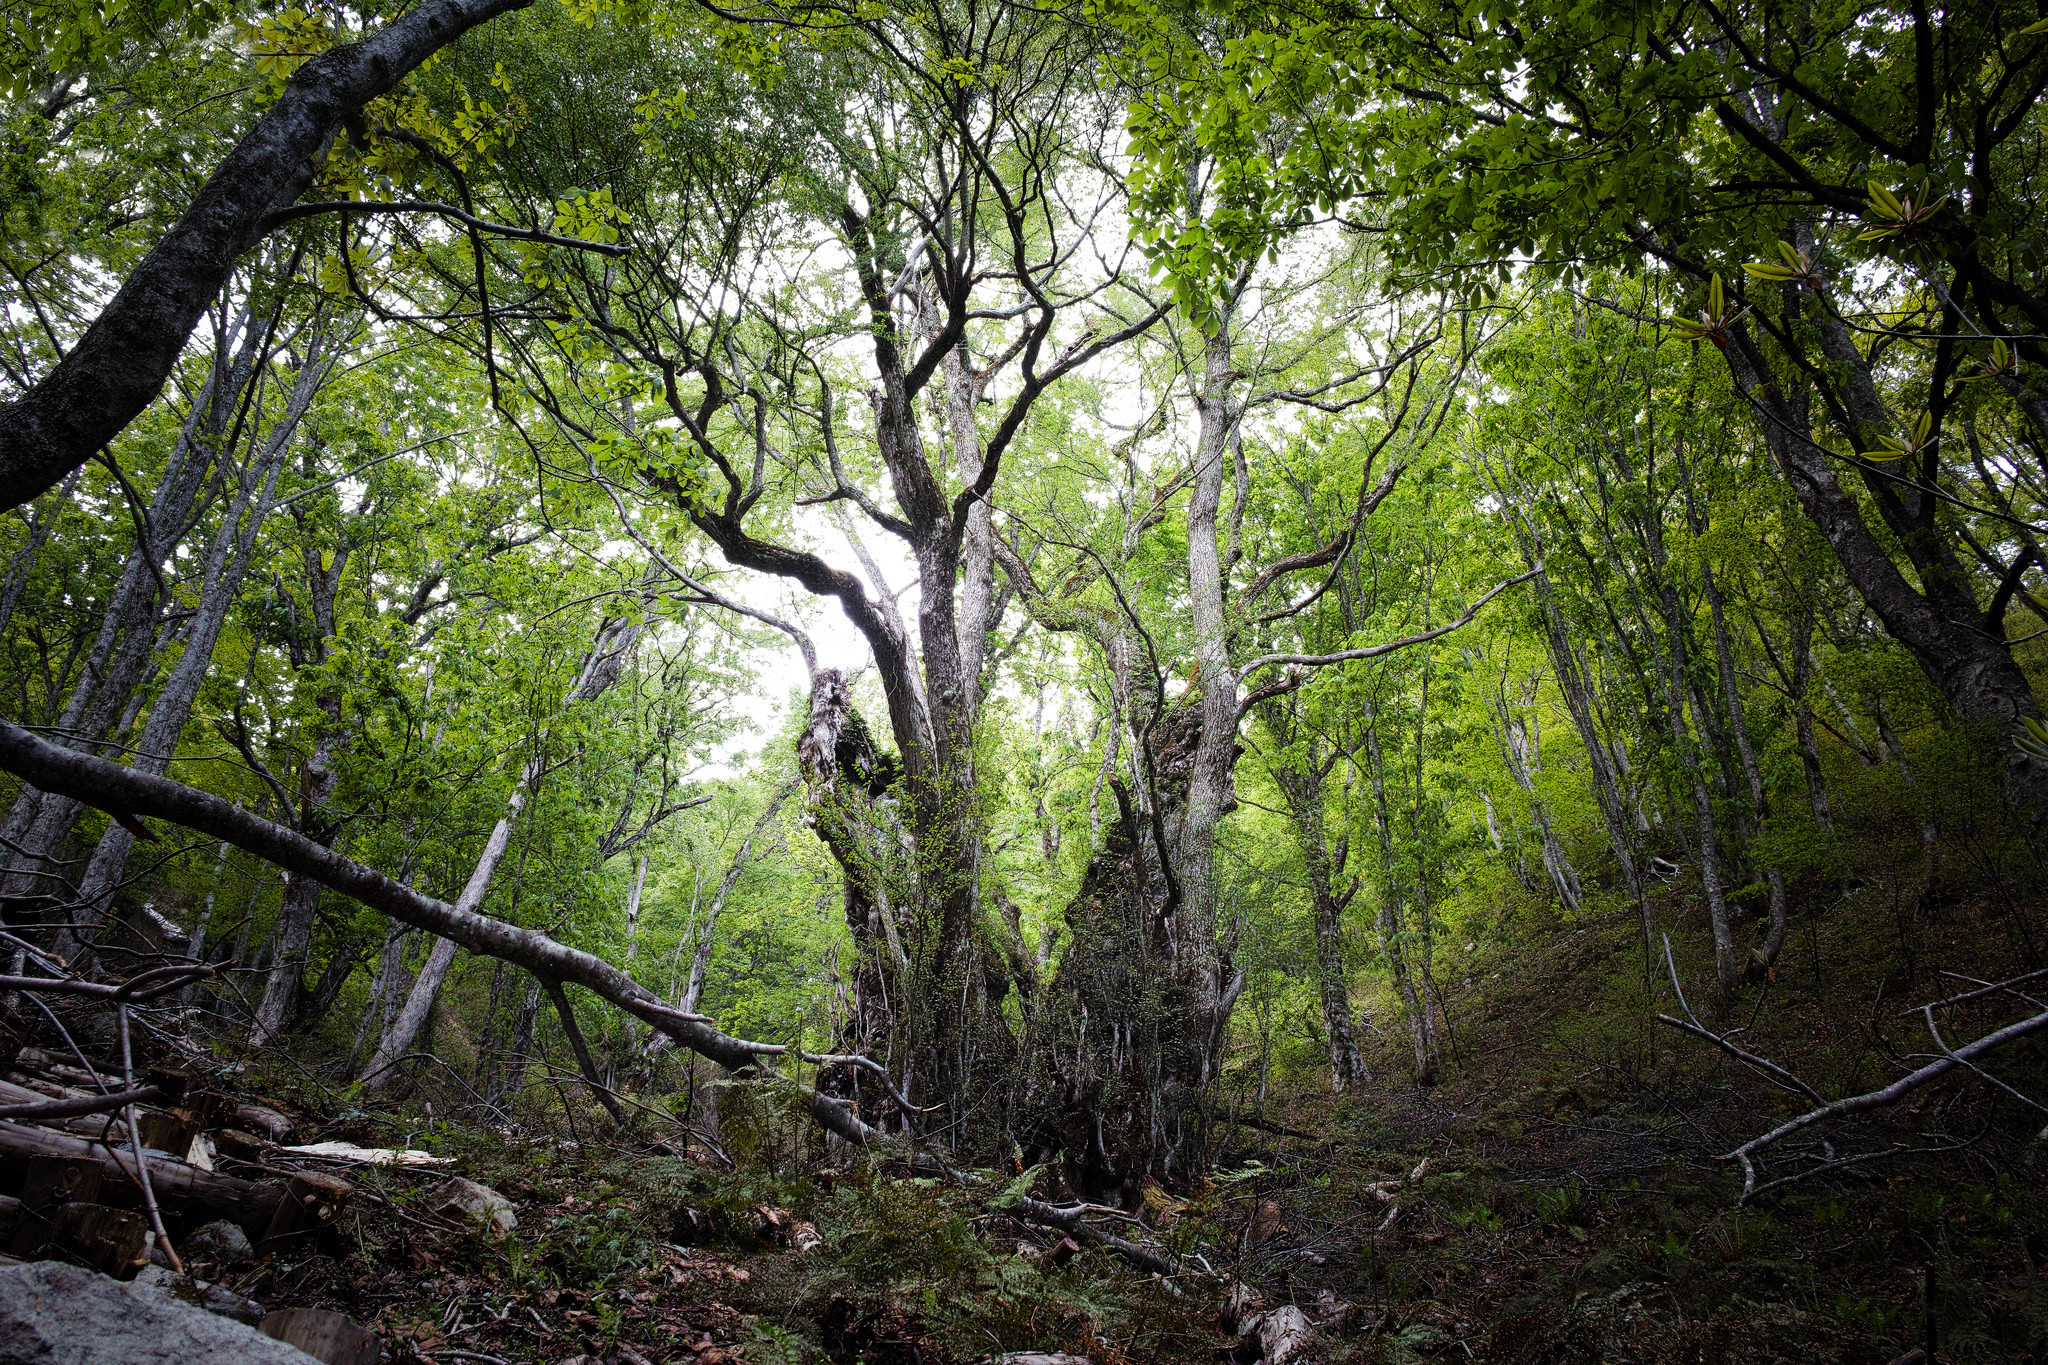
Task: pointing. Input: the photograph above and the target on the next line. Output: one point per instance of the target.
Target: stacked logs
(71, 1184)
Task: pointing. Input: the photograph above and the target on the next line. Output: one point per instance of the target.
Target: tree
(1757, 164)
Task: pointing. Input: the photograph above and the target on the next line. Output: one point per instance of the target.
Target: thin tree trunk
(1738, 724)
(1393, 931)
(602, 667)
(1802, 719)
(1302, 786)
(227, 563)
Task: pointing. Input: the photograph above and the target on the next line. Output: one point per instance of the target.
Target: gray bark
(227, 563)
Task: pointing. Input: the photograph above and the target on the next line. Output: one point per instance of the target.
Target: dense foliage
(1270, 506)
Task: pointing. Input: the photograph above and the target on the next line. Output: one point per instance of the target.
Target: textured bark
(1191, 927)
(119, 657)
(1113, 1082)
(1965, 657)
(1302, 785)
(116, 369)
(287, 975)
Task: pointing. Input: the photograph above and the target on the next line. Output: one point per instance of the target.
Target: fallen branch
(1877, 1099)
(90, 1104)
(246, 1203)
(146, 986)
(1763, 1066)
(1070, 1222)
(120, 790)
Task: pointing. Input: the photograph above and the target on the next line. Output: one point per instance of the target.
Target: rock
(55, 1314)
(1041, 1358)
(220, 1242)
(325, 1336)
(465, 1199)
(203, 1294)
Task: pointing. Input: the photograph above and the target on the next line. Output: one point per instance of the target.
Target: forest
(1119, 681)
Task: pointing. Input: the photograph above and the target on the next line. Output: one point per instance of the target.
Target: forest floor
(1557, 1199)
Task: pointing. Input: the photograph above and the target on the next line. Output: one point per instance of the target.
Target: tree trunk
(1303, 788)
(227, 563)
(1967, 660)
(1392, 926)
(1759, 795)
(287, 975)
(1802, 719)
(602, 666)
(115, 370)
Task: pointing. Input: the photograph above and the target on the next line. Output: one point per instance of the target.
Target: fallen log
(68, 1108)
(184, 1189)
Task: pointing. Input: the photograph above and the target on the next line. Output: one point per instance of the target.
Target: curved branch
(1372, 651)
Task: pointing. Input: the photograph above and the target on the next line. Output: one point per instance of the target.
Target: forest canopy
(1021, 575)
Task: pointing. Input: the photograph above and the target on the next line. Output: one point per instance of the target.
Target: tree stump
(50, 1183)
(311, 1201)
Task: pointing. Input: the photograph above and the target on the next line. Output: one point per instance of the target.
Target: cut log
(56, 1179)
(49, 1183)
(325, 1336)
(181, 1189)
(311, 1202)
(167, 1133)
(175, 1081)
(233, 1142)
(108, 1240)
(261, 1118)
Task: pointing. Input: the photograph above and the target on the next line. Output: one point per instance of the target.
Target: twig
(1878, 1098)
(156, 1217)
(1070, 1223)
(1764, 1067)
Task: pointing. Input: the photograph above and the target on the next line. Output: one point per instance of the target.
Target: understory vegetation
(948, 680)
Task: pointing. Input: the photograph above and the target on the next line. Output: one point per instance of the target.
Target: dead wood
(249, 1204)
